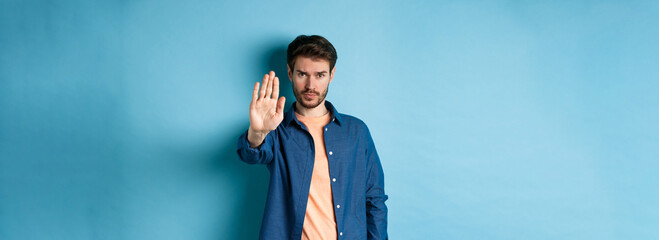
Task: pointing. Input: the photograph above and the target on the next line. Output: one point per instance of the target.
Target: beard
(299, 96)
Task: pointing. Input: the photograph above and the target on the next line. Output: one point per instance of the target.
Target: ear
(332, 74)
(290, 73)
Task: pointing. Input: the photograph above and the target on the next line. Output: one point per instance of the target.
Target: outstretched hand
(265, 111)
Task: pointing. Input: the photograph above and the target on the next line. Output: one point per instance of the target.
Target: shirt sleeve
(376, 210)
(259, 155)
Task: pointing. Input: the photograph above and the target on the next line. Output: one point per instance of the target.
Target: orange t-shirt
(319, 219)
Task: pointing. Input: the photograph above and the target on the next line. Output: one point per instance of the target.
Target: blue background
(493, 119)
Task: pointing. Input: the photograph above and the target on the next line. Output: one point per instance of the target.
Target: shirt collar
(289, 116)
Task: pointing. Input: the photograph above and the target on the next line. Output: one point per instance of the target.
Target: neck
(318, 111)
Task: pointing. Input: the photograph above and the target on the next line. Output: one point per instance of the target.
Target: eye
(320, 75)
(300, 74)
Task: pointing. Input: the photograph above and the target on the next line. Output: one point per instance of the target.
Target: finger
(275, 88)
(263, 86)
(255, 93)
(280, 104)
(268, 89)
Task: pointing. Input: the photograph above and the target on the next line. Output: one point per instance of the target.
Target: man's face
(310, 78)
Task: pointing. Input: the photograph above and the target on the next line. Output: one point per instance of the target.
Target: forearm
(376, 217)
(261, 154)
(376, 209)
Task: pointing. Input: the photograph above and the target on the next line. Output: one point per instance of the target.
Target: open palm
(266, 111)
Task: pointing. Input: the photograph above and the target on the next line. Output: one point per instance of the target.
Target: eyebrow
(324, 72)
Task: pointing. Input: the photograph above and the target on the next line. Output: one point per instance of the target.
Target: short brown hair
(314, 47)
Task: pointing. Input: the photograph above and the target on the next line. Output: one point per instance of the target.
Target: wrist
(255, 137)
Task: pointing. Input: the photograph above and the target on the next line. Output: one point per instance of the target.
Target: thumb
(280, 105)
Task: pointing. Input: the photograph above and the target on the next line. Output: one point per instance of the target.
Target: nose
(308, 83)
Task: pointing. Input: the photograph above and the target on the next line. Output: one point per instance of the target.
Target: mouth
(309, 95)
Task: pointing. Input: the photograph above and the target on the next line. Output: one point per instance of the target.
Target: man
(326, 180)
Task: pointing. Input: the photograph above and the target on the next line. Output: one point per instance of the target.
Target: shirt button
(341, 234)
(330, 152)
(338, 206)
(333, 179)
(325, 129)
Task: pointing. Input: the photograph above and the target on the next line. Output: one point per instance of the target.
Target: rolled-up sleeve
(260, 155)
(376, 210)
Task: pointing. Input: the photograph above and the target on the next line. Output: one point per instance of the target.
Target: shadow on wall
(250, 181)
(249, 185)
(275, 60)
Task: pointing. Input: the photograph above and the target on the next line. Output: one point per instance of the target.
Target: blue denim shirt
(354, 167)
